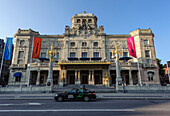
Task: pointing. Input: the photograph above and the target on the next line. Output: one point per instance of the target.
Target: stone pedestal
(38, 78)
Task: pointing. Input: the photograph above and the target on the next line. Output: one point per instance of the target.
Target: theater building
(84, 55)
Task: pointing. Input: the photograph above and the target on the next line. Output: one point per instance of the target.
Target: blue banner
(8, 48)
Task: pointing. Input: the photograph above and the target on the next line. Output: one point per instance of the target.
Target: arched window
(95, 44)
(84, 44)
(84, 20)
(72, 44)
(78, 20)
(22, 42)
(89, 21)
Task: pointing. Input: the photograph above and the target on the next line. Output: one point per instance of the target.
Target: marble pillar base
(91, 82)
(77, 82)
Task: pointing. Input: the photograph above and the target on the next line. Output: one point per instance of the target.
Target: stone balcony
(98, 62)
(149, 65)
(22, 66)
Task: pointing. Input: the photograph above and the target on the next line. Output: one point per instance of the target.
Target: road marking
(34, 104)
(72, 110)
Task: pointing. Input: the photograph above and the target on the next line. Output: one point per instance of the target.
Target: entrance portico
(86, 72)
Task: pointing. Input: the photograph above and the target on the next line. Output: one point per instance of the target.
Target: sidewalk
(113, 96)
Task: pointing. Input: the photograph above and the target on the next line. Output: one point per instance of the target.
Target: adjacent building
(5, 67)
(84, 54)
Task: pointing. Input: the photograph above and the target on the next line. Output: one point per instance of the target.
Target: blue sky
(117, 16)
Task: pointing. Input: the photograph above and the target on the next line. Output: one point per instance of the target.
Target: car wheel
(60, 99)
(86, 98)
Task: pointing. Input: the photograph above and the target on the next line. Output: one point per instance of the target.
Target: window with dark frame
(72, 54)
(78, 20)
(72, 44)
(84, 44)
(22, 42)
(146, 42)
(43, 54)
(90, 21)
(95, 44)
(84, 54)
(125, 54)
(147, 54)
(96, 54)
(21, 53)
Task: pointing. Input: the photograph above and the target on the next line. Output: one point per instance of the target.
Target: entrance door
(71, 77)
(113, 76)
(98, 77)
(84, 79)
(55, 77)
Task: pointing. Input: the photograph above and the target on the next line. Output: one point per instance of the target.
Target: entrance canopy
(84, 63)
(18, 74)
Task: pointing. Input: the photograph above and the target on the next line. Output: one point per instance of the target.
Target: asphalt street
(80, 108)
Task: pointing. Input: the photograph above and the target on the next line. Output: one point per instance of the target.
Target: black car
(76, 94)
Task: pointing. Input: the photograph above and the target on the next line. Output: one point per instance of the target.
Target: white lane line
(35, 104)
(72, 110)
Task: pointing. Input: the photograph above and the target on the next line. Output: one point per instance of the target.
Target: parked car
(76, 94)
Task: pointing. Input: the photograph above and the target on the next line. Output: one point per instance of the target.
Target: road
(80, 108)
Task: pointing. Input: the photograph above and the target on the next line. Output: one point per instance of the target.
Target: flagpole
(3, 58)
(168, 71)
(29, 73)
(140, 82)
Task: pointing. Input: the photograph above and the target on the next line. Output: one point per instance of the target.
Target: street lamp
(118, 77)
(51, 54)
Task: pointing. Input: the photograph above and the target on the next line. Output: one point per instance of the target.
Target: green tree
(161, 66)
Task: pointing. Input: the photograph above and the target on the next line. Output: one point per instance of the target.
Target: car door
(80, 94)
(72, 94)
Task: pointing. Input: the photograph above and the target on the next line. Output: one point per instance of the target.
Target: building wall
(86, 31)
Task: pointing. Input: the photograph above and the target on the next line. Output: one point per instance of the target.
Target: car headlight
(56, 94)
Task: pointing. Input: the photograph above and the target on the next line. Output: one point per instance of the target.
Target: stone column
(77, 76)
(90, 78)
(103, 77)
(92, 81)
(130, 77)
(61, 76)
(65, 77)
(38, 78)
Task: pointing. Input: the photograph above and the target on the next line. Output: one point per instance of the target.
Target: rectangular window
(146, 42)
(147, 54)
(57, 54)
(148, 61)
(84, 55)
(21, 53)
(43, 55)
(96, 54)
(19, 61)
(72, 54)
(110, 54)
(125, 54)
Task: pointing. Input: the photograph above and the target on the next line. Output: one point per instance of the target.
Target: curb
(102, 98)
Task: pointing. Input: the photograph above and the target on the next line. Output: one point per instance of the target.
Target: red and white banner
(36, 47)
(131, 46)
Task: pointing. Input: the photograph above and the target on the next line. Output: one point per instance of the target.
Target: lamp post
(51, 54)
(118, 77)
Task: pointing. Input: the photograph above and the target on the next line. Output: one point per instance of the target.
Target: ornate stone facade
(84, 55)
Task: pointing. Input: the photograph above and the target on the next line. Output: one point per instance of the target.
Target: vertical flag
(131, 46)
(36, 47)
(8, 48)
